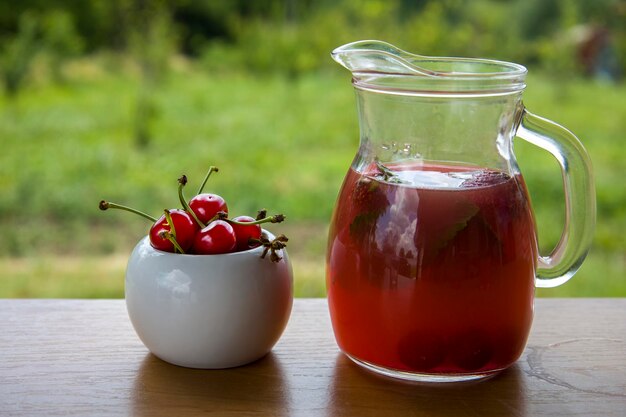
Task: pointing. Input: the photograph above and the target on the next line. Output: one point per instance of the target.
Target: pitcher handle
(580, 203)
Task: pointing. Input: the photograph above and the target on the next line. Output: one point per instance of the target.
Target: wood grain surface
(82, 358)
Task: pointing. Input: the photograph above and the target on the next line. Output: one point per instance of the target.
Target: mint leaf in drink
(433, 238)
(463, 213)
(368, 203)
(485, 178)
(386, 174)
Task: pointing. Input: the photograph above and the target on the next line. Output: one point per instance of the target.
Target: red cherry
(206, 206)
(217, 237)
(244, 233)
(184, 226)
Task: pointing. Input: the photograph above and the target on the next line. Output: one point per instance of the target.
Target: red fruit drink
(431, 268)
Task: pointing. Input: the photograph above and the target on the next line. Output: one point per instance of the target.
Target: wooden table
(82, 358)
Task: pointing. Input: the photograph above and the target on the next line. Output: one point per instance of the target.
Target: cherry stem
(105, 205)
(171, 236)
(271, 246)
(220, 215)
(276, 218)
(206, 178)
(170, 222)
(182, 181)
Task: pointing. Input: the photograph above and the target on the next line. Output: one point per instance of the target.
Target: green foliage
(529, 32)
(264, 102)
(283, 144)
(288, 36)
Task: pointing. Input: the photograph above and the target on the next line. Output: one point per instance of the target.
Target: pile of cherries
(202, 226)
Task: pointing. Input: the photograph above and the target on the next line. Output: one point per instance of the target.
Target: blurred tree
(18, 53)
(200, 21)
(90, 18)
(152, 41)
(52, 34)
(60, 40)
(536, 18)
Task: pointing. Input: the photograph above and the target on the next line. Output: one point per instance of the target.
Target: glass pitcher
(432, 255)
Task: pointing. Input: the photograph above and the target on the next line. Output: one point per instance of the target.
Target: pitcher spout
(373, 56)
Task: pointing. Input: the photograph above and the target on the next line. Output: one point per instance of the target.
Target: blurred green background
(116, 98)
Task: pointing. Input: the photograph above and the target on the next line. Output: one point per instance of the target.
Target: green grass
(283, 144)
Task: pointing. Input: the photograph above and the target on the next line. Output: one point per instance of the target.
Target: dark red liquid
(435, 278)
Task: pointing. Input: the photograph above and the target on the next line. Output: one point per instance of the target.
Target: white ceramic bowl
(208, 311)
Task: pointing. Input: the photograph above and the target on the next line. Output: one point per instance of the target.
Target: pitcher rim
(382, 67)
